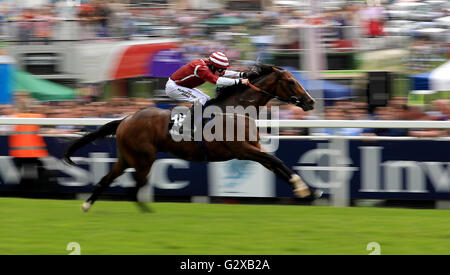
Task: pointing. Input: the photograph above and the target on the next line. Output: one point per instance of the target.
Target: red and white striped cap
(219, 60)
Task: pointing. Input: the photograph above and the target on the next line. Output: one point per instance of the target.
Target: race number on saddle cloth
(182, 84)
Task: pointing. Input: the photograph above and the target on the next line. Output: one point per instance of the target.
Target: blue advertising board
(6, 79)
(165, 63)
(395, 169)
(391, 169)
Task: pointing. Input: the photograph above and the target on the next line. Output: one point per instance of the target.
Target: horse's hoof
(144, 208)
(318, 194)
(86, 206)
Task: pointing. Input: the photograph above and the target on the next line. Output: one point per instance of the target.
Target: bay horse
(140, 136)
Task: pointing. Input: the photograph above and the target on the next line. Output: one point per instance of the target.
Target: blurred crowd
(344, 29)
(244, 35)
(115, 107)
(397, 108)
(119, 107)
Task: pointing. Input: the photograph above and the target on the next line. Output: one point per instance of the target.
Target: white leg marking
(86, 206)
(300, 188)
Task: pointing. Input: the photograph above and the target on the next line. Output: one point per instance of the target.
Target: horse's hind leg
(142, 167)
(117, 170)
(141, 180)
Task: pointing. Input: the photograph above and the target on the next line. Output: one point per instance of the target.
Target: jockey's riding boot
(197, 121)
(171, 123)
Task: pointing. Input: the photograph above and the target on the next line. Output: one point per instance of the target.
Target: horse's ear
(278, 70)
(259, 60)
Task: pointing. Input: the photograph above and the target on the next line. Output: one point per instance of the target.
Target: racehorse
(140, 136)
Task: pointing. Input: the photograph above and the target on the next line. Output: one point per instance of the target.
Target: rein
(293, 100)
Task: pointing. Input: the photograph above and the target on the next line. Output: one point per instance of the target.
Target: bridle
(291, 100)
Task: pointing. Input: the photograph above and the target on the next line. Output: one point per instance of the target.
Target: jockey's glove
(242, 81)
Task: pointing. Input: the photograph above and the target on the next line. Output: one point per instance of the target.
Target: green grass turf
(46, 227)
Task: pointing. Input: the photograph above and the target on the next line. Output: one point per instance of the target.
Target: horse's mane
(223, 93)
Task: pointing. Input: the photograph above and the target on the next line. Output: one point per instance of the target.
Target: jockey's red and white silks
(219, 60)
(196, 72)
(182, 83)
(181, 93)
(225, 81)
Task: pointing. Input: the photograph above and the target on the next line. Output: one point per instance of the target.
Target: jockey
(182, 83)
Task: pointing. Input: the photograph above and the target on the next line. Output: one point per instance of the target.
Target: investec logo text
(394, 172)
(98, 165)
(333, 168)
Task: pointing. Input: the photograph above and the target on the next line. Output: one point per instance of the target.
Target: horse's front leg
(274, 164)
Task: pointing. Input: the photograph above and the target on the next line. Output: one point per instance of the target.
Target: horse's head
(271, 81)
(288, 89)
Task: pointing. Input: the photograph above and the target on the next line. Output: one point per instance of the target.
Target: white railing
(409, 124)
(422, 124)
(55, 121)
(365, 138)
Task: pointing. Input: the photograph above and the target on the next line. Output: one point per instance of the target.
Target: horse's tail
(107, 129)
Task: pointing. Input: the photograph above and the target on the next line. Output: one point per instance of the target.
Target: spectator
(442, 108)
(86, 16)
(292, 112)
(102, 16)
(28, 148)
(43, 26)
(61, 112)
(385, 113)
(438, 112)
(332, 113)
(26, 25)
(7, 110)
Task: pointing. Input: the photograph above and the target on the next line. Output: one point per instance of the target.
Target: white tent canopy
(443, 20)
(440, 78)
